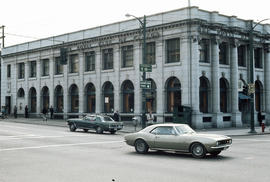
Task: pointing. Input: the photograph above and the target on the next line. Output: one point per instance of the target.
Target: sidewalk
(129, 128)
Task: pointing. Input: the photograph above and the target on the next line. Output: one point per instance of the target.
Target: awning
(243, 96)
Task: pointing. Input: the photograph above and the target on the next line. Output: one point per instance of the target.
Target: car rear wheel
(215, 153)
(198, 150)
(99, 130)
(141, 146)
(72, 127)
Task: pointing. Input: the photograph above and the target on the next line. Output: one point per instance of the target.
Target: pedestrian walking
(44, 112)
(26, 112)
(15, 111)
(51, 111)
(116, 116)
(260, 118)
(150, 118)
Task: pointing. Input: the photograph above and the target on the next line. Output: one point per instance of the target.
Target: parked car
(99, 123)
(178, 138)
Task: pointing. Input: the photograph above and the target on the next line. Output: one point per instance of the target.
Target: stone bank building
(199, 59)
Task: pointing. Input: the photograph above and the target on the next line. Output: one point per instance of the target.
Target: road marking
(59, 145)
(31, 136)
(251, 140)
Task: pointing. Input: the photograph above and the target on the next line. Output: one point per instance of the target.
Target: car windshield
(107, 118)
(183, 129)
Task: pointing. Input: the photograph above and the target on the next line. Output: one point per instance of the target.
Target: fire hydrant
(263, 127)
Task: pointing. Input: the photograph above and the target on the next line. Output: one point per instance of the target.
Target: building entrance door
(8, 104)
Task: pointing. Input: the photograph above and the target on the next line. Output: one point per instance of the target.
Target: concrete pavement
(129, 127)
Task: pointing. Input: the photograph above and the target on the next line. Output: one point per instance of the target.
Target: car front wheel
(99, 130)
(72, 127)
(141, 146)
(112, 132)
(198, 150)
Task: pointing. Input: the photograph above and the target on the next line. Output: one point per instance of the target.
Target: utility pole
(3, 36)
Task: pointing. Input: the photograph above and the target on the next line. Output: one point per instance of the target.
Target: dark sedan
(99, 123)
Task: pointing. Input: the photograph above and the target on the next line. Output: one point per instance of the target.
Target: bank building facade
(200, 60)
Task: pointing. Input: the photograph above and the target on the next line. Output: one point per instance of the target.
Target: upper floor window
(58, 66)
(258, 57)
(74, 63)
(204, 51)
(107, 59)
(151, 53)
(223, 58)
(173, 50)
(33, 69)
(45, 67)
(8, 70)
(241, 55)
(127, 56)
(21, 70)
(90, 61)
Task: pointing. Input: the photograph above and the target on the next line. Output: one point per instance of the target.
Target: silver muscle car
(178, 138)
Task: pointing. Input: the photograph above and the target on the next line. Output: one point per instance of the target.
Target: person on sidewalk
(150, 118)
(44, 112)
(116, 116)
(260, 118)
(51, 111)
(15, 111)
(26, 112)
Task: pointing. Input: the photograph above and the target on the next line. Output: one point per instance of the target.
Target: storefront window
(173, 95)
(74, 98)
(90, 98)
(108, 97)
(59, 101)
(128, 96)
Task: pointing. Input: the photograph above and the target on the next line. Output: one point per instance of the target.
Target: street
(35, 153)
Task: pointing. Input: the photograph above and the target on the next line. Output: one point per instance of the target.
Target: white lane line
(20, 137)
(59, 145)
(251, 140)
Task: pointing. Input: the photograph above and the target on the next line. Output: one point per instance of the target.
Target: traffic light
(63, 55)
(245, 89)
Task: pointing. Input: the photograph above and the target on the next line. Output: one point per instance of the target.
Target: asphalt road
(35, 153)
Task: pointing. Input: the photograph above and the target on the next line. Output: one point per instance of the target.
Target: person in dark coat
(51, 111)
(260, 117)
(26, 111)
(116, 116)
(15, 111)
(44, 112)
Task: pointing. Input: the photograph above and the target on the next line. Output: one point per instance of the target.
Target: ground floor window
(128, 96)
(173, 95)
(108, 97)
(33, 100)
(45, 97)
(59, 100)
(74, 99)
(90, 98)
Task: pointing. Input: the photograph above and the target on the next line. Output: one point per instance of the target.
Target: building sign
(95, 42)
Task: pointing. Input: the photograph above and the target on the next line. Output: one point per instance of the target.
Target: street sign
(145, 67)
(145, 84)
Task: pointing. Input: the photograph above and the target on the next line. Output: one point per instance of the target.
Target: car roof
(162, 124)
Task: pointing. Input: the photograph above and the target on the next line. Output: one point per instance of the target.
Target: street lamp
(251, 78)
(143, 26)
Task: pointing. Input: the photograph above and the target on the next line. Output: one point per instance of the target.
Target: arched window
(128, 96)
(90, 93)
(20, 92)
(204, 92)
(173, 89)
(223, 95)
(258, 95)
(151, 95)
(45, 97)
(33, 100)
(108, 97)
(59, 99)
(74, 98)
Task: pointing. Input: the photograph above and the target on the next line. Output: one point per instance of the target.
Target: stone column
(236, 115)
(82, 99)
(137, 90)
(160, 81)
(217, 119)
(51, 84)
(66, 91)
(99, 102)
(39, 72)
(267, 83)
(195, 84)
(117, 86)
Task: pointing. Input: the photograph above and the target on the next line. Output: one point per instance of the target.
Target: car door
(165, 137)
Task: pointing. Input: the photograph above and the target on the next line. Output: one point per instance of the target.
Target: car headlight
(217, 143)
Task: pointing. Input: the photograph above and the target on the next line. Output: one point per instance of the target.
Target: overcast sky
(44, 18)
